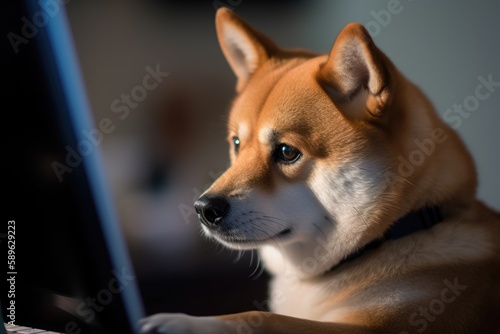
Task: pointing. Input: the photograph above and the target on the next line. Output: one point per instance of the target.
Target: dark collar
(414, 221)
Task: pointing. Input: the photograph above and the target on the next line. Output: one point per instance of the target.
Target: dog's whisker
(251, 258)
(272, 221)
(259, 268)
(238, 256)
(271, 217)
(259, 274)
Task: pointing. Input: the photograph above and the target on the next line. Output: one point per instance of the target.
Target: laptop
(66, 266)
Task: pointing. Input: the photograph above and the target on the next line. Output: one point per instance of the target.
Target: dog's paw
(178, 323)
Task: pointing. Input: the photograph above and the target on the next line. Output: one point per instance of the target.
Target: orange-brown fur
(335, 112)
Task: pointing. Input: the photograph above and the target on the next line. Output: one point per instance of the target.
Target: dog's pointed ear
(244, 47)
(356, 76)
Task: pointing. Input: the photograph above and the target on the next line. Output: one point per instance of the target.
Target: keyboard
(14, 329)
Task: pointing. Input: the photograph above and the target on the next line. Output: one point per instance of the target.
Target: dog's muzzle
(211, 210)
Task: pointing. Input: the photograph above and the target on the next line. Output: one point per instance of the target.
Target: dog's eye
(287, 154)
(236, 143)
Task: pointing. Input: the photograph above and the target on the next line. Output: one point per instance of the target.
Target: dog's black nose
(211, 209)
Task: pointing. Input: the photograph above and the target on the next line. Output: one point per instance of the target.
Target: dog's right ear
(356, 75)
(244, 47)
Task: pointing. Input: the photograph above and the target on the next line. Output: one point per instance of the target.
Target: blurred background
(169, 144)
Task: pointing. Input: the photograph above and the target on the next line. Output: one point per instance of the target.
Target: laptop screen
(68, 268)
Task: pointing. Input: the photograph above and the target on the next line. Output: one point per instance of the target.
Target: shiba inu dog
(360, 199)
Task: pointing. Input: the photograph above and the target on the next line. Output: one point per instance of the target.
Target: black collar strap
(414, 221)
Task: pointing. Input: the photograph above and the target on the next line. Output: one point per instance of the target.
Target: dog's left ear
(245, 48)
(355, 76)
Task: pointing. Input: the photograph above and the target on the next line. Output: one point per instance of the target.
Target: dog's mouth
(242, 240)
(247, 229)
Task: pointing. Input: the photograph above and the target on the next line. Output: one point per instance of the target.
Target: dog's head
(316, 143)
